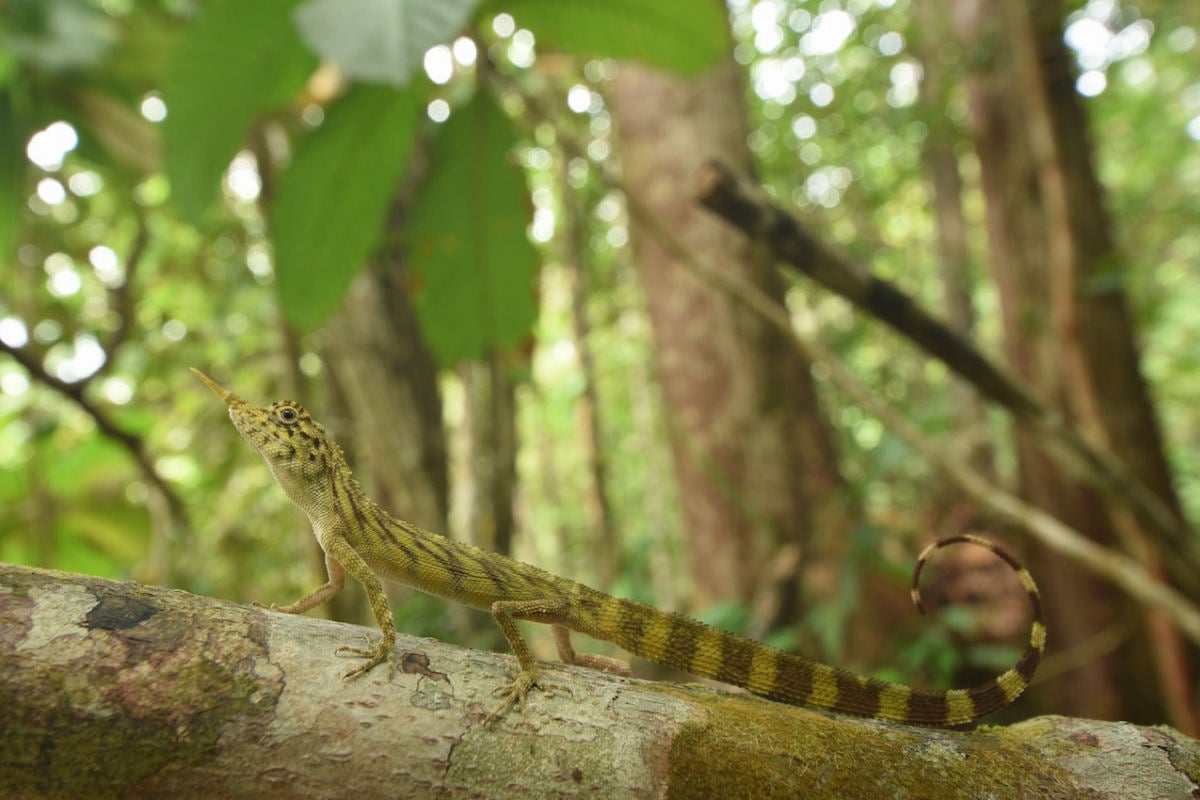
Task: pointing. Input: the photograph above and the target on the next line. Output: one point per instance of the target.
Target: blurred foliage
(134, 245)
(379, 40)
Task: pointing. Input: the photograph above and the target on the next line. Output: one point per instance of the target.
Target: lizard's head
(294, 445)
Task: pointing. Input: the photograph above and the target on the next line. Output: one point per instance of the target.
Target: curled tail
(967, 705)
(683, 643)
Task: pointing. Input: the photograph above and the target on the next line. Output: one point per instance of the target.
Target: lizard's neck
(325, 492)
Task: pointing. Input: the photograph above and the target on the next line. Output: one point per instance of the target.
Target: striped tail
(677, 641)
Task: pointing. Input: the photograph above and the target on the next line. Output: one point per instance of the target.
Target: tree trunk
(753, 458)
(388, 379)
(489, 420)
(1050, 238)
(385, 379)
(121, 690)
(578, 207)
(1107, 391)
(953, 255)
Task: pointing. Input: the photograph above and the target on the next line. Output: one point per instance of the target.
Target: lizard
(359, 537)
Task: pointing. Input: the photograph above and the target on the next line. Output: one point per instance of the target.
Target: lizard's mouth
(249, 420)
(220, 391)
(238, 408)
(217, 389)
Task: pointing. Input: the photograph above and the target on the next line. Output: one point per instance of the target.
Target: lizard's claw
(374, 653)
(514, 693)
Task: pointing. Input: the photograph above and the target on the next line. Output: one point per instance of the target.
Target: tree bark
(490, 433)
(754, 460)
(940, 158)
(1105, 388)
(388, 380)
(1068, 332)
(121, 690)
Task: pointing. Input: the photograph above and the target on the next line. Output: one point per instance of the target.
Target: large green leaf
(685, 36)
(234, 62)
(380, 40)
(468, 241)
(332, 203)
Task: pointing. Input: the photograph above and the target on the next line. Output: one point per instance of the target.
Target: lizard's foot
(614, 666)
(293, 608)
(514, 693)
(375, 654)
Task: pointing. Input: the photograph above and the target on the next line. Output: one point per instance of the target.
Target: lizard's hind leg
(507, 612)
(567, 655)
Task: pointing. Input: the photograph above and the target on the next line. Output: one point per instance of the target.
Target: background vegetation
(410, 215)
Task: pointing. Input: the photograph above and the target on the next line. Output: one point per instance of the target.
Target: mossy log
(121, 690)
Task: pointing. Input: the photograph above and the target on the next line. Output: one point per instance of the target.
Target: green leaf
(381, 41)
(234, 62)
(685, 36)
(467, 238)
(332, 204)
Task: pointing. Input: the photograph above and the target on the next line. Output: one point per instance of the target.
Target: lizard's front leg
(320, 595)
(340, 552)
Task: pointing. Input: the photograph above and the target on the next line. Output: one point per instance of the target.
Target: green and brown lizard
(361, 538)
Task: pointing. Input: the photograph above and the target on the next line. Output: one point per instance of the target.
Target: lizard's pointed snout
(220, 391)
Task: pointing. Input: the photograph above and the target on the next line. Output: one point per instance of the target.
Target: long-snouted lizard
(361, 538)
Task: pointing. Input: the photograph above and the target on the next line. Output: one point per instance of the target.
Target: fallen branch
(116, 689)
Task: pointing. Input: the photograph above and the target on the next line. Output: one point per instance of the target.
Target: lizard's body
(360, 537)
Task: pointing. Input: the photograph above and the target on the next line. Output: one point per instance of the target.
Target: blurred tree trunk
(491, 436)
(1068, 331)
(578, 206)
(757, 475)
(953, 256)
(388, 380)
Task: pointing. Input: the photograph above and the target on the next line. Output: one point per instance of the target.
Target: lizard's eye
(287, 414)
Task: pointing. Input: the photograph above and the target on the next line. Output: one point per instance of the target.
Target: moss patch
(745, 750)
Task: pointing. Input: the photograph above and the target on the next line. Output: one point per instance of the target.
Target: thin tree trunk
(588, 408)
(490, 421)
(953, 254)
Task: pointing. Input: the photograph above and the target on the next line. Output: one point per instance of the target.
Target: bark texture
(121, 690)
(387, 379)
(955, 268)
(754, 460)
